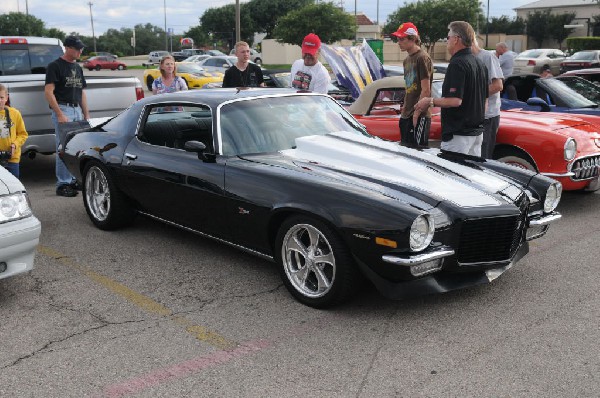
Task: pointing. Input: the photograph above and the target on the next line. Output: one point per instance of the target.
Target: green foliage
(219, 23)
(265, 13)
(575, 44)
(432, 17)
(538, 25)
(200, 37)
(557, 27)
(20, 24)
(326, 20)
(509, 26)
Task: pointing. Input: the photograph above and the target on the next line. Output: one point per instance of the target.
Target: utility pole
(238, 34)
(92, 20)
(487, 24)
(166, 35)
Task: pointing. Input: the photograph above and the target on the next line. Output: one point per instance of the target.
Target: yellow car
(191, 72)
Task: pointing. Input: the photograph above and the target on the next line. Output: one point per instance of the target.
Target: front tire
(98, 67)
(315, 265)
(105, 204)
(120, 67)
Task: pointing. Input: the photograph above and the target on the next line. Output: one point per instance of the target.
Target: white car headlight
(14, 207)
(553, 195)
(421, 232)
(570, 149)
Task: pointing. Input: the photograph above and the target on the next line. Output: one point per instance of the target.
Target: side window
(173, 125)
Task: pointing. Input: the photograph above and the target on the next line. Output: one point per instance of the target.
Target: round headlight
(570, 149)
(552, 197)
(421, 232)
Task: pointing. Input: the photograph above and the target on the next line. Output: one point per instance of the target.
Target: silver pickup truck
(23, 62)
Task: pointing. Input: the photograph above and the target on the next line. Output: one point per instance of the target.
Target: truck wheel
(104, 203)
(149, 81)
(315, 265)
(98, 67)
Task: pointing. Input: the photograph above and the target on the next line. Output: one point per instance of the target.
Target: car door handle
(129, 156)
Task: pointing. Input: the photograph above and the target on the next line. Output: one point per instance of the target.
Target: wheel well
(501, 151)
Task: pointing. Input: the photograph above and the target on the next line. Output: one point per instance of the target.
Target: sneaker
(66, 190)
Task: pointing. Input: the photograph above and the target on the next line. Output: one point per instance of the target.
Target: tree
(219, 24)
(265, 13)
(432, 17)
(20, 24)
(329, 22)
(538, 25)
(200, 37)
(506, 25)
(557, 27)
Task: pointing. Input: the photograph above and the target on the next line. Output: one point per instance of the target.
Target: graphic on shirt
(4, 128)
(74, 80)
(302, 80)
(411, 81)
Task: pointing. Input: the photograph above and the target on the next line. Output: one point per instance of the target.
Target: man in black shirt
(65, 95)
(464, 94)
(243, 73)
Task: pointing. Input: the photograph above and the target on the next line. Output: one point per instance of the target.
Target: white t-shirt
(313, 78)
(494, 72)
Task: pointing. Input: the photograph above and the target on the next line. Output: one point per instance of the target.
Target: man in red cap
(418, 75)
(308, 73)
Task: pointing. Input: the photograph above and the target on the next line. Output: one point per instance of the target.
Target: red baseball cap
(406, 29)
(311, 44)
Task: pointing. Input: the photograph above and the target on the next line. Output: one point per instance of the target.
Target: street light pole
(92, 20)
(238, 35)
(487, 23)
(166, 35)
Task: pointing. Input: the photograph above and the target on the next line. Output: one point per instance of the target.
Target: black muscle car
(294, 178)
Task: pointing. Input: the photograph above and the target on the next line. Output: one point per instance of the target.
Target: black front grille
(490, 239)
(585, 168)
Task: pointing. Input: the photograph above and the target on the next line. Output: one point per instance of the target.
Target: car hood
(393, 170)
(9, 183)
(552, 121)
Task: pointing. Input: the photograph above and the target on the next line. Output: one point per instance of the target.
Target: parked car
(19, 228)
(197, 58)
(536, 60)
(532, 93)
(103, 62)
(585, 88)
(255, 56)
(155, 56)
(592, 74)
(194, 75)
(219, 63)
(293, 178)
(564, 147)
(215, 53)
(393, 70)
(581, 60)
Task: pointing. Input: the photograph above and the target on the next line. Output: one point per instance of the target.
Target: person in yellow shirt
(12, 134)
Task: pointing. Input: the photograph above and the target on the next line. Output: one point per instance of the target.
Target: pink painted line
(180, 370)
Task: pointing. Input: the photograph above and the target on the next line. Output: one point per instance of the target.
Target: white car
(536, 60)
(19, 228)
(218, 63)
(155, 56)
(197, 58)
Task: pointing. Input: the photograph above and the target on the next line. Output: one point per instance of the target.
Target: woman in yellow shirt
(12, 134)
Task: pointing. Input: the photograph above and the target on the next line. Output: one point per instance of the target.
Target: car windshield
(583, 56)
(530, 54)
(190, 68)
(271, 124)
(570, 97)
(584, 87)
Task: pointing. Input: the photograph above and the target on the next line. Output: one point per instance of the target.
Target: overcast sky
(74, 15)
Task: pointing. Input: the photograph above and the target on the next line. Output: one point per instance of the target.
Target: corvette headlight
(421, 232)
(14, 207)
(570, 149)
(552, 197)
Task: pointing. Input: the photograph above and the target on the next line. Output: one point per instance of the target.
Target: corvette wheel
(518, 162)
(315, 265)
(104, 203)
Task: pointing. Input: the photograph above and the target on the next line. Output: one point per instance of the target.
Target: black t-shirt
(251, 77)
(68, 80)
(466, 78)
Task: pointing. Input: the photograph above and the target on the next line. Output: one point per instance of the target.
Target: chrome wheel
(308, 260)
(97, 193)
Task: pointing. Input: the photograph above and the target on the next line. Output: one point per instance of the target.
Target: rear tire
(104, 203)
(315, 265)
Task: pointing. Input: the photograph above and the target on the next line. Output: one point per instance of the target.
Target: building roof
(362, 19)
(555, 3)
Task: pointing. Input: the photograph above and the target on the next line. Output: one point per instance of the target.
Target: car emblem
(361, 236)
(241, 210)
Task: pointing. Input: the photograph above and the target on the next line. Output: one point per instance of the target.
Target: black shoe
(75, 185)
(66, 190)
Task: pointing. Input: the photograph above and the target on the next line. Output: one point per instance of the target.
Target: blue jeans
(63, 175)
(13, 168)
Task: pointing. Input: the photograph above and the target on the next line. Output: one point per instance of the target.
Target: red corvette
(564, 147)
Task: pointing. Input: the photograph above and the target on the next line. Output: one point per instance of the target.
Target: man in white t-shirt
(308, 73)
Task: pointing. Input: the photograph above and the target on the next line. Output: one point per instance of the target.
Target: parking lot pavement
(151, 311)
